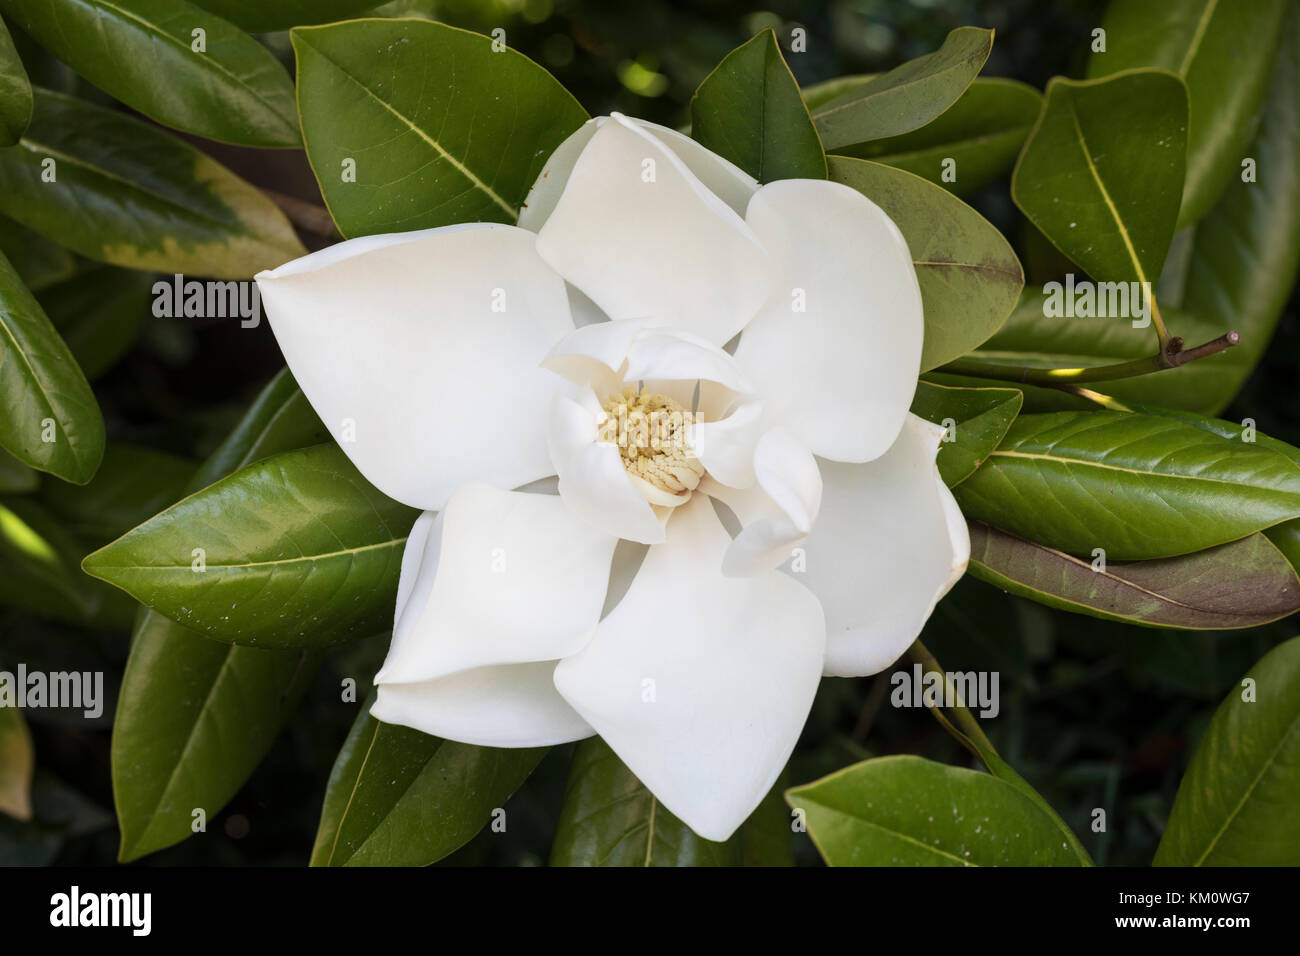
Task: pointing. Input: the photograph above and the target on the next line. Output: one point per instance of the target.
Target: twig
(307, 216)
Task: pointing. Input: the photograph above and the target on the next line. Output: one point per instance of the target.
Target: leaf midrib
(301, 559)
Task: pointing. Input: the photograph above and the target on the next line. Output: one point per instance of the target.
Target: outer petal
(701, 683)
(724, 179)
(418, 349)
(512, 578)
(888, 544)
(644, 238)
(835, 353)
(513, 705)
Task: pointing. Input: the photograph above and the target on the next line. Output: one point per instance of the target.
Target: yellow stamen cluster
(651, 431)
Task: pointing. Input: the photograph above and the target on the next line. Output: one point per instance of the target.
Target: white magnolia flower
(459, 366)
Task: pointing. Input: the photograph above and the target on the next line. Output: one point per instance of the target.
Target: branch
(307, 216)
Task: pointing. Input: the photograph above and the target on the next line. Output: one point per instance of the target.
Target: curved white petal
(420, 352)
(512, 705)
(889, 542)
(725, 446)
(779, 510)
(642, 236)
(593, 482)
(724, 179)
(701, 683)
(835, 353)
(512, 578)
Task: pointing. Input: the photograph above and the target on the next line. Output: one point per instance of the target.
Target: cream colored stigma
(653, 436)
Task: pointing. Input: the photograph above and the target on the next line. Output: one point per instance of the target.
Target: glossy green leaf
(976, 419)
(1236, 803)
(40, 262)
(133, 484)
(611, 819)
(908, 96)
(220, 82)
(128, 193)
(52, 421)
(15, 92)
(1101, 175)
(411, 124)
(1224, 51)
(907, 811)
(1137, 486)
(1240, 584)
(969, 275)
(749, 111)
(16, 764)
(99, 314)
(981, 134)
(298, 550)
(262, 16)
(195, 717)
(397, 797)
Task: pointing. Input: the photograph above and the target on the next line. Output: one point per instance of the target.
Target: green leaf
(1102, 173)
(128, 193)
(38, 566)
(16, 764)
(15, 91)
(1236, 803)
(99, 314)
(1138, 486)
(969, 275)
(610, 819)
(40, 262)
(907, 811)
(15, 477)
(1205, 42)
(908, 96)
(767, 837)
(397, 797)
(232, 89)
(749, 111)
(195, 717)
(977, 419)
(439, 128)
(298, 550)
(264, 16)
(981, 133)
(1241, 584)
(52, 421)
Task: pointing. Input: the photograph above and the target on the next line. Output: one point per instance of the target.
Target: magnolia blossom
(718, 370)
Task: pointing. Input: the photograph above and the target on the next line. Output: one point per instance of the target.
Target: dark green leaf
(52, 421)
(231, 89)
(907, 811)
(132, 485)
(39, 566)
(1224, 51)
(749, 110)
(908, 96)
(131, 194)
(15, 92)
(397, 797)
(99, 314)
(39, 261)
(1137, 486)
(15, 477)
(611, 819)
(1102, 173)
(969, 275)
(1241, 584)
(1236, 804)
(262, 16)
(298, 550)
(977, 419)
(439, 128)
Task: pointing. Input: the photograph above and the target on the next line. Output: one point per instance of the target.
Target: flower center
(652, 433)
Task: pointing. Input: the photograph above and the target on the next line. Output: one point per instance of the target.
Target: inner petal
(652, 432)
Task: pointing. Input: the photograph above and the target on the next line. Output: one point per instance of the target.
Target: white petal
(888, 544)
(666, 249)
(513, 705)
(701, 683)
(513, 578)
(395, 341)
(779, 510)
(723, 178)
(841, 373)
(725, 446)
(593, 482)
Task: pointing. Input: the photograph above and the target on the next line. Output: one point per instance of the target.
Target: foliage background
(1094, 714)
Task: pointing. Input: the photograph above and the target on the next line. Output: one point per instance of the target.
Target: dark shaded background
(1093, 714)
